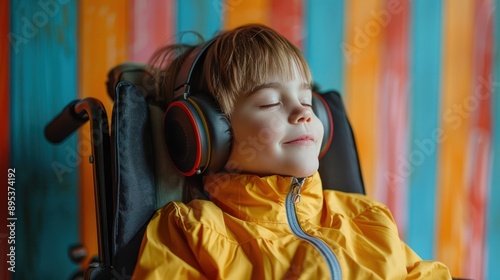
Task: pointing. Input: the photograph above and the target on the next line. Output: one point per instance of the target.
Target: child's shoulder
(204, 215)
(195, 211)
(353, 204)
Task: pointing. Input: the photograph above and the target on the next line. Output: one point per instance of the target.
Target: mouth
(303, 140)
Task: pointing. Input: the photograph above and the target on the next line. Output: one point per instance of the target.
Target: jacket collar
(262, 199)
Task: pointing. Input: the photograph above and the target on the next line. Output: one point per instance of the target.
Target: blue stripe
(203, 17)
(43, 80)
(324, 33)
(493, 211)
(425, 66)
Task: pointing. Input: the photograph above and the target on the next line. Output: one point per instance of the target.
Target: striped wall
(419, 79)
(103, 43)
(490, 266)
(425, 68)
(4, 127)
(43, 51)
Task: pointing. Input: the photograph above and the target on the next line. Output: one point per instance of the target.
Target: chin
(303, 171)
(303, 174)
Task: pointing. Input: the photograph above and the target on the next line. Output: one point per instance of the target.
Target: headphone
(198, 134)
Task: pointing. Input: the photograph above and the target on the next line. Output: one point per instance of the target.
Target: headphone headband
(183, 79)
(198, 134)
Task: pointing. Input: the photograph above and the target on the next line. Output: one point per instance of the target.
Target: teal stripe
(493, 219)
(203, 17)
(425, 30)
(324, 33)
(43, 80)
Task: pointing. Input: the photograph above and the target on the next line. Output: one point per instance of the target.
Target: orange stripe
(456, 86)
(240, 12)
(103, 26)
(361, 49)
(287, 19)
(4, 126)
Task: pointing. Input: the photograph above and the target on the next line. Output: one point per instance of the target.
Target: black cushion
(133, 180)
(339, 168)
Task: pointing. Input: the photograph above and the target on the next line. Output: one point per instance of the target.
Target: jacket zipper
(292, 198)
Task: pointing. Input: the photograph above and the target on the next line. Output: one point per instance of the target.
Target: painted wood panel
(103, 43)
(452, 213)
(362, 49)
(43, 81)
(203, 17)
(480, 139)
(152, 24)
(287, 18)
(492, 250)
(425, 57)
(240, 12)
(393, 111)
(323, 43)
(4, 128)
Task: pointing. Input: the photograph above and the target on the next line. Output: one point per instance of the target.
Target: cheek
(258, 132)
(320, 128)
(320, 131)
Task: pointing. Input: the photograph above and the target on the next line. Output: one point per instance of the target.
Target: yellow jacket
(246, 231)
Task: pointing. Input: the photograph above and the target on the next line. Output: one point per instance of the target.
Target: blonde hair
(238, 62)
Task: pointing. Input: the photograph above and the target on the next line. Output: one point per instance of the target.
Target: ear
(322, 111)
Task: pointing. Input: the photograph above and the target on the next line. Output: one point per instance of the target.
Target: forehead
(282, 85)
(272, 76)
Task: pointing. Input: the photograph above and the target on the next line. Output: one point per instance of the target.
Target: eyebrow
(278, 86)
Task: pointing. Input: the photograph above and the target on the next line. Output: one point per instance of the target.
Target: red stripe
(4, 127)
(287, 17)
(152, 24)
(393, 118)
(480, 137)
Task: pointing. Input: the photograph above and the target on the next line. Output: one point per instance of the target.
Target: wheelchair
(134, 176)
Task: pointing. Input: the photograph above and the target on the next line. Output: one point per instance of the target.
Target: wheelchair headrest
(198, 134)
(136, 73)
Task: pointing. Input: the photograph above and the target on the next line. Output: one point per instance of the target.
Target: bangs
(246, 58)
(284, 65)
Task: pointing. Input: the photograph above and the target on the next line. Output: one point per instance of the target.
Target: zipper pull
(297, 184)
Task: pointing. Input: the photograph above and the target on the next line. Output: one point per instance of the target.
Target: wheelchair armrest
(64, 124)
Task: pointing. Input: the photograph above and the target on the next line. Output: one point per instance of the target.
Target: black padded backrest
(144, 178)
(339, 168)
(133, 174)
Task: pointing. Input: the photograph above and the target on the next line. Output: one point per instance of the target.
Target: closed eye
(267, 106)
(307, 105)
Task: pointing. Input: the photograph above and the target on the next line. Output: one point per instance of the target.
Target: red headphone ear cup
(198, 135)
(185, 136)
(322, 111)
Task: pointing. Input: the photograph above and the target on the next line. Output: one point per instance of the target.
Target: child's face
(275, 131)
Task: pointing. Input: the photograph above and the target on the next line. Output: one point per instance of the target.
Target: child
(268, 216)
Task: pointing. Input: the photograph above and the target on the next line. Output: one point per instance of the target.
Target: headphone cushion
(219, 133)
(322, 111)
(185, 136)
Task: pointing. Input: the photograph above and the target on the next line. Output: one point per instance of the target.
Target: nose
(300, 114)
